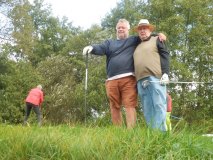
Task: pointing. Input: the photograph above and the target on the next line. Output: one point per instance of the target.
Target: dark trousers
(36, 109)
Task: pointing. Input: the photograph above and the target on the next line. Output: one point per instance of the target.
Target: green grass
(100, 143)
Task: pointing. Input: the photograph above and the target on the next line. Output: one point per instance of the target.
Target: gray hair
(124, 21)
(39, 86)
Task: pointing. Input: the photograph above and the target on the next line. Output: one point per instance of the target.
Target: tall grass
(100, 143)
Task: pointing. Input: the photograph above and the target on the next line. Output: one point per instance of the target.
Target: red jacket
(169, 103)
(35, 96)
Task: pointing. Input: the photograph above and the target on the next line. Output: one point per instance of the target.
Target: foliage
(14, 87)
(23, 30)
(6, 28)
(59, 86)
(125, 9)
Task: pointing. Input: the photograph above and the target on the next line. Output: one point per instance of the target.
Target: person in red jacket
(34, 101)
(169, 110)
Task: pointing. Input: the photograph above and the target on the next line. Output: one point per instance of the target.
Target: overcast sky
(82, 13)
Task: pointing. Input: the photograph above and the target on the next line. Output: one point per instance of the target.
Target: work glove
(164, 79)
(87, 49)
(162, 37)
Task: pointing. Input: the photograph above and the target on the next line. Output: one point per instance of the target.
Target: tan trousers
(122, 92)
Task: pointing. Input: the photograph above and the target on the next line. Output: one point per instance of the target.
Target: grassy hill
(100, 143)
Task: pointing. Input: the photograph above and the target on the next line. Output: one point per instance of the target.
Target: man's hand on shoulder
(162, 37)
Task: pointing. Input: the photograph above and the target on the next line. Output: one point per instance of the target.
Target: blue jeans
(153, 99)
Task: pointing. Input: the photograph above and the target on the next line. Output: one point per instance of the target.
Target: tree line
(38, 48)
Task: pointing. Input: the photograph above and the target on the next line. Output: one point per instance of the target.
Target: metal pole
(85, 96)
(174, 117)
(178, 82)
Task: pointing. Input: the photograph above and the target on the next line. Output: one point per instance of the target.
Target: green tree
(15, 82)
(59, 86)
(132, 10)
(52, 34)
(23, 30)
